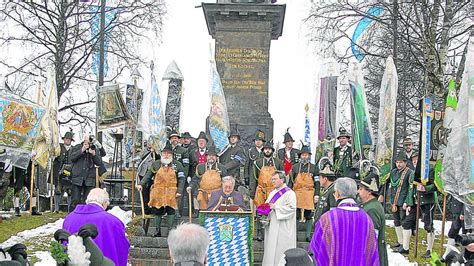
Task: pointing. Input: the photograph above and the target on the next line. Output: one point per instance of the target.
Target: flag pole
(443, 220)
(32, 182)
(51, 172)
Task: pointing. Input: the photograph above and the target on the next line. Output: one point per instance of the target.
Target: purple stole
(264, 208)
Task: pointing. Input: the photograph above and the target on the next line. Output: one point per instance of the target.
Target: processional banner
(327, 117)
(231, 235)
(112, 111)
(133, 101)
(19, 127)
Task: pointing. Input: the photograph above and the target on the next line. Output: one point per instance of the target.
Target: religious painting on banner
(112, 111)
(19, 126)
(231, 237)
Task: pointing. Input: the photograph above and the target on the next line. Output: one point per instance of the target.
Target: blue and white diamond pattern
(110, 14)
(157, 117)
(235, 252)
(219, 121)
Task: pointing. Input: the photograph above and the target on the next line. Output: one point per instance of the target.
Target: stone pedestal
(243, 33)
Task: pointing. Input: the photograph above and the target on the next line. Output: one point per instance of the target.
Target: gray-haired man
(188, 245)
(227, 198)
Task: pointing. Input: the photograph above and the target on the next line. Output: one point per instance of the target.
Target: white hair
(98, 195)
(188, 242)
(228, 178)
(346, 187)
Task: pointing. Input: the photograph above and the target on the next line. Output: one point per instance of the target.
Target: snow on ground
(44, 257)
(44, 230)
(124, 216)
(397, 259)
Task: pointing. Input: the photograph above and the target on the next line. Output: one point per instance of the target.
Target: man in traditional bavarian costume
(326, 199)
(261, 180)
(233, 158)
(303, 180)
(62, 167)
(343, 154)
(187, 141)
(181, 155)
(410, 153)
(207, 178)
(197, 155)
(254, 153)
(288, 154)
(368, 193)
(401, 200)
(168, 179)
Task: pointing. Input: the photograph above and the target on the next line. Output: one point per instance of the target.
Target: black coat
(83, 169)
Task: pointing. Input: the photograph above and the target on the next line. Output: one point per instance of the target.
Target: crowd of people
(343, 214)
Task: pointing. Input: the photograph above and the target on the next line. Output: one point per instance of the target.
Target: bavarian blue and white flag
(110, 16)
(152, 117)
(218, 118)
(307, 129)
(363, 24)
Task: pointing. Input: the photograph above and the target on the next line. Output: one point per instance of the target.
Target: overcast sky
(293, 68)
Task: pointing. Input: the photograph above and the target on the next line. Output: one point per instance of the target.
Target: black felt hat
(69, 135)
(371, 183)
(401, 156)
(234, 132)
(173, 133)
(343, 133)
(186, 135)
(268, 144)
(287, 137)
(305, 149)
(203, 135)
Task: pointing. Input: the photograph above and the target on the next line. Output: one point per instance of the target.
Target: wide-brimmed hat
(211, 150)
(259, 135)
(401, 156)
(371, 183)
(327, 170)
(203, 136)
(287, 137)
(343, 133)
(305, 149)
(407, 140)
(234, 132)
(186, 135)
(167, 147)
(173, 133)
(69, 135)
(268, 144)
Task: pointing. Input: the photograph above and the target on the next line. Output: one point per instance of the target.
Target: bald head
(98, 196)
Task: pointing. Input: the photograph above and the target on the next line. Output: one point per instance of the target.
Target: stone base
(247, 126)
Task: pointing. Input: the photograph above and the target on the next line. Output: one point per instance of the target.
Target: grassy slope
(15, 225)
(391, 238)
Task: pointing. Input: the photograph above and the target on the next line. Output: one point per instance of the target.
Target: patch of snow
(124, 216)
(436, 225)
(44, 258)
(396, 259)
(44, 230)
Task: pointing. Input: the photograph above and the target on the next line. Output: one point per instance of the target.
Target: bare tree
(428, 40)
(57, 34)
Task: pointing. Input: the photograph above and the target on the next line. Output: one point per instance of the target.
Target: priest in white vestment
(280, 234)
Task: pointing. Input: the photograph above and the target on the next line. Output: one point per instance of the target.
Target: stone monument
(243, 30)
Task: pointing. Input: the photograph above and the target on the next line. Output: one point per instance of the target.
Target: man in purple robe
(111, 238)
(227, 198)
(345, 235)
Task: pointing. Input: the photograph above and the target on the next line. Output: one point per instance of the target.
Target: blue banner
(364, 23)
(470, 135)
(425, 140)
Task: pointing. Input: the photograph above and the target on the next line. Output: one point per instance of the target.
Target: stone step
(163, 254)
(161, 242)
(149, 262)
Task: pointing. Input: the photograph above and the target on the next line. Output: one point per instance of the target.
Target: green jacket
(342, 160)
(303, 168)
(376, 212)
(326, 201)
(156, 165)
(406, 192)
(181, 155)
(428, 196)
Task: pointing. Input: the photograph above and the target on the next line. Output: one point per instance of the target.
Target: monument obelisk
(243, 30)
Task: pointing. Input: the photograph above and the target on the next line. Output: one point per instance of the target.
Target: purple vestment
(111, 238)
(345, 236)
(218, 198)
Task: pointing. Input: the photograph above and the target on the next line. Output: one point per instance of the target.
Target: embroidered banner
(112, 111)
(19, 126)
